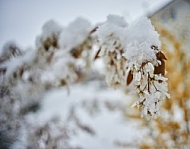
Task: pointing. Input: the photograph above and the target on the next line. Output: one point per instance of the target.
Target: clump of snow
(75, 34)
(140, 37)
(113, 29)
(143, 31)
(49, 30)
(18, 62)
(50, 27)
(9, 50)
(136, 38)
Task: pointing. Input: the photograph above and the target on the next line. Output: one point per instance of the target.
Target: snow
(134, 48)
(15, 63)
(89, 115)
(140, 36)
(91, 111)
(49, 28)
(109, 126)
(12, 65)
(113, 27)
(75, 33)
(135, 38)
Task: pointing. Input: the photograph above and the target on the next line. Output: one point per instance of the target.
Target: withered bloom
(160, 69)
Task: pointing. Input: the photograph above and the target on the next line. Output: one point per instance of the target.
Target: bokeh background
(90, 115)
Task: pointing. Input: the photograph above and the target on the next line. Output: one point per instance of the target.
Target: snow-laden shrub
(130, 52)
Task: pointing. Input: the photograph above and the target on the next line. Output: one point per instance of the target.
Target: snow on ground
(96, 113)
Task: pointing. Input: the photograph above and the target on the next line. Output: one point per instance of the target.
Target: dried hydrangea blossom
(132, 54)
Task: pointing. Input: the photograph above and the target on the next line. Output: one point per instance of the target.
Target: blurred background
(94, 116)
(22, 20)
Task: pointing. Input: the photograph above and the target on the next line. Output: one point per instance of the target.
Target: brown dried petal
(76, 52)
(129, 77)
(96, 56)
(143, 64)
(63, 82)
(160, 69)
(95, 29)
(160, 56)
(111, 62)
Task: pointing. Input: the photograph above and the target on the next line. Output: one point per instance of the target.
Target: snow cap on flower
(140, 37)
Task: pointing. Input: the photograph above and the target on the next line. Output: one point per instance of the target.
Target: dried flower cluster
(174, 125)
(109, 37)
(150, 84)
(131, 56)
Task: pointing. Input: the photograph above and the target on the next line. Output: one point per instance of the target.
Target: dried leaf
(96, 56)
(63, 82)
(143, 64)
(160, 69)
(160, 56)
(76, 52)
(129, 77)
(95, 29)
(112, 62)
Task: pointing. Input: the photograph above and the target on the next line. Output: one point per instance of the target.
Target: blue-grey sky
(21, 20)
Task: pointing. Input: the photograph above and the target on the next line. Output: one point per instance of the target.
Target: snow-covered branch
(131, 53)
